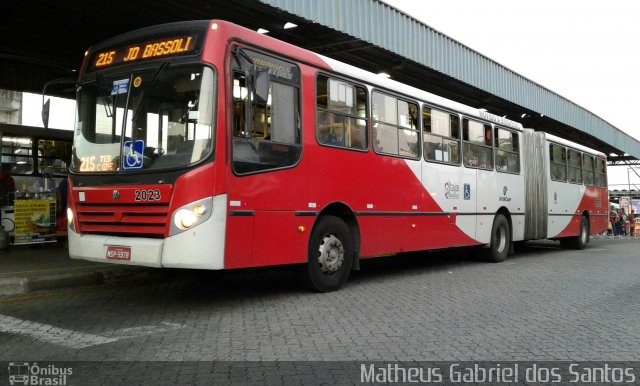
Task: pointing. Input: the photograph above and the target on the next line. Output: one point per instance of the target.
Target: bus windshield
(147, 120)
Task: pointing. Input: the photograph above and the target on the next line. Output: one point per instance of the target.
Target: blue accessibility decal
(132, 155)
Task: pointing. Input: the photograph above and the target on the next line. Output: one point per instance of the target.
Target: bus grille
(123, 220)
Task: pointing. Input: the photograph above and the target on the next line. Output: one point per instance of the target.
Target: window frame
(366, 117)
(551, 162)
(491, 146)
(417, 130)
(234, 68)
(424, 133)
(496, 146)
(593, 169)
(569, 167)
(597, 173)
(34, 157)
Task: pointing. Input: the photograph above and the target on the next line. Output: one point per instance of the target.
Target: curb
(12, 286)
(608, 237)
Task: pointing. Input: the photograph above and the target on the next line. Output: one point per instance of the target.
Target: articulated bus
(206, 145)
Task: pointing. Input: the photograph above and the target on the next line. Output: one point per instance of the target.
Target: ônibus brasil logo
(23, 373)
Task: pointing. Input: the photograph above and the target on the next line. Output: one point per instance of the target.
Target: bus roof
(584, 149)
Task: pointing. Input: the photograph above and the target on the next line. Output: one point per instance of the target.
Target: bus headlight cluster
(190, 215)
(185, 219)
(70, 218)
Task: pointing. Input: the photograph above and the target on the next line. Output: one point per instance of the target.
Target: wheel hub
(331, 254)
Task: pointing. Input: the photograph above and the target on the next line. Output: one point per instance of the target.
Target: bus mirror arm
(45, 111)
(46, 105)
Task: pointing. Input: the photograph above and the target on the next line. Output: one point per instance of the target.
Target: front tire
(330, 255)
(500, 239)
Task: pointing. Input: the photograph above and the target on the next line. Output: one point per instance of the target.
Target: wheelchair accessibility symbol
(132, 155)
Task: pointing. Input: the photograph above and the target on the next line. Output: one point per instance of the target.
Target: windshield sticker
(132, 155)
(137, 81)
(120, 87)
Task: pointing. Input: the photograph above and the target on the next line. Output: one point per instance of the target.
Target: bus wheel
(500, 239)
(581, 241)
(330, 255)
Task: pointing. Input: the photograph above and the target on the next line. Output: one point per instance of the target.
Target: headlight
(184, 219)
(199, 210)
(69, 216)
(191, 215)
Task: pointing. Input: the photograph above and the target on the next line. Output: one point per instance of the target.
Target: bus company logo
(22, 373)
(504, 196)
(467, 191)
(451, 190)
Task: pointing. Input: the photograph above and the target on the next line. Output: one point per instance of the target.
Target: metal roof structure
(46, 40)
(384, 26)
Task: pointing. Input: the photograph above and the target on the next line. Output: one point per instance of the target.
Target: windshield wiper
(149, 87)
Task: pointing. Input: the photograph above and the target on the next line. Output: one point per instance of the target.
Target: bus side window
(341, 112)
(558, 164)
(587, 169)
(601, 173)
(266, 133)
(441, 136)
(395, 129)
(507, 151)
(478, 146)
(575, 167)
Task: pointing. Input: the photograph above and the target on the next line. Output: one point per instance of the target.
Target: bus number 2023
(147, 195)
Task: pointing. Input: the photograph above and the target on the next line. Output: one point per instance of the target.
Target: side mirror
(261, 82)
(46, 105)
(45, 112)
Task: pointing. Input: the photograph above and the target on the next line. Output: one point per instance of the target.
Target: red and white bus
(207, 145)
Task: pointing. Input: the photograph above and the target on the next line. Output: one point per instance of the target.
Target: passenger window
(441, 136)
(478, 147)
(587, 169)
(395, 126)
(53, 157)
(575, 167)
(601, 173)
(507, 151)
(341, 114)
(266, 133)
(558, 158)
(17, 152)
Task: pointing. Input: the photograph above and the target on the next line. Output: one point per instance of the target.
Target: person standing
(7, 185)
(632, 223)
(617, 226)
(613, 219)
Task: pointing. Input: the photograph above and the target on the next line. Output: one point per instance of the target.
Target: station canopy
(45, 40)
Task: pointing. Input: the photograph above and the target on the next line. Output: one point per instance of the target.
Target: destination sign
(174, 46)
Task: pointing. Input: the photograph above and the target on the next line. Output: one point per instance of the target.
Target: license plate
(118, 253)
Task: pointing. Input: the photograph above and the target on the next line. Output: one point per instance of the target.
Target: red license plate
(118, 253)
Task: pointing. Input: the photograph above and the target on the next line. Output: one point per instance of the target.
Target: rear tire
(330, 255)
(580, 241)
(500, 240)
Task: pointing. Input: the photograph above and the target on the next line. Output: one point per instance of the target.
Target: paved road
(544, 303)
